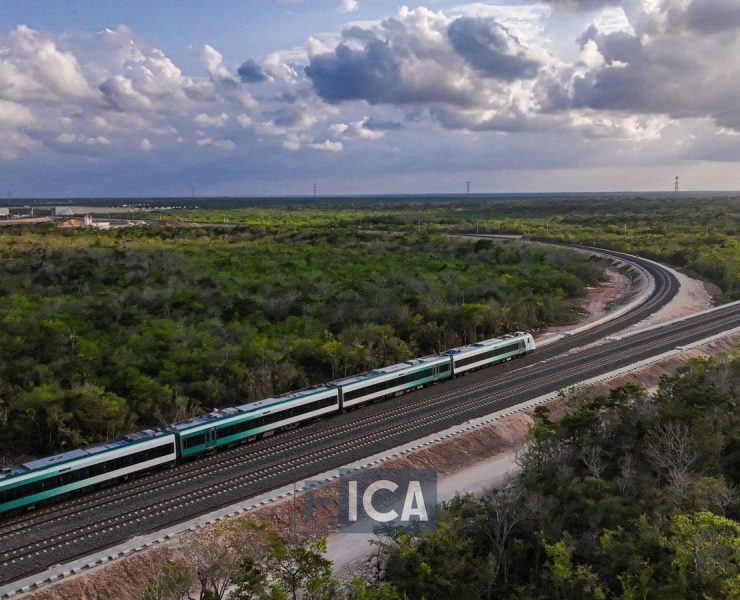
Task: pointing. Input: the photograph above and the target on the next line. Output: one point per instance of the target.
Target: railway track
(503, 393)
(33, 541)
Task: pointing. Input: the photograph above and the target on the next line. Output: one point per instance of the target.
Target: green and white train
(34, 482)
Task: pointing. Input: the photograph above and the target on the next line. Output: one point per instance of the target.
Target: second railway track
(31, 542)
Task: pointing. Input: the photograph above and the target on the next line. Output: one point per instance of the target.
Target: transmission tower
(315, 190)
(675, 189)
(468, 188)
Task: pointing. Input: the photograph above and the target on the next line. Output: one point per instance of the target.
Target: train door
(211, 438)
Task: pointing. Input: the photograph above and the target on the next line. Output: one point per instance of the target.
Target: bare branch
(591, 457)
(671, 452)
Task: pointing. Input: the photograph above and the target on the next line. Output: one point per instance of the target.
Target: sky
(269, 97)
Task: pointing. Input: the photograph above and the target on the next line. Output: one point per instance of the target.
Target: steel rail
(413, 419)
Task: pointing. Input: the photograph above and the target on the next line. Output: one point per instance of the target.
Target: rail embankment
(472, 459)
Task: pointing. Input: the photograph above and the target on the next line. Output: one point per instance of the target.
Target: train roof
(485, 343)
(407, 364)
(78, 453)
(232, 411)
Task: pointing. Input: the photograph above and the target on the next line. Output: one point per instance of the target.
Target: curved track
(80, 525)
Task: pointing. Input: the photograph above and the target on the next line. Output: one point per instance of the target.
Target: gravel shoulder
(471, 462)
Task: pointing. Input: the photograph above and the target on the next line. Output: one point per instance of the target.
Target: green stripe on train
(252, 432)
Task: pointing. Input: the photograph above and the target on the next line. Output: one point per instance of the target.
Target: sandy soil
(693, 296)
(125, 579)
(598, 302)
(471, 462)
(350, 554)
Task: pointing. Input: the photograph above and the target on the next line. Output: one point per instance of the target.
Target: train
(37, 481)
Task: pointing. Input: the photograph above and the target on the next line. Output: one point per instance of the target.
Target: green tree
(357, 589)
(300, 569)
(572, 581)
(706, 551)
(249, 582)
(172, 583)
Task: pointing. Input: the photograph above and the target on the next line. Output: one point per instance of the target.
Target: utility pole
(476, 228)
(675, 189)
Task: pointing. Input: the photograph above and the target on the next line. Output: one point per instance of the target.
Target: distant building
(27, 212)
(69, 223)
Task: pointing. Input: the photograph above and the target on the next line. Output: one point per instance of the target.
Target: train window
(401, 380)
(236, 428)
(498, 352)
(74, 476)
(193, 440)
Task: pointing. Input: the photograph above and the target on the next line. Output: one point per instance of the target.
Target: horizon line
(416, 195)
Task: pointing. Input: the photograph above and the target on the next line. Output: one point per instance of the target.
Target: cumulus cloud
(346, 6)
(216, 143)
(66, 138)
(13, 142)
(469, 72)
(120, 93)
(328, 146)
(584, 5)
(709, 16)
(150, 73)
(251, 72)
(34, 67)
(668, 66)
(356, 129)
(417, 57)
(376, 124)
(205, 120)
(214, 62)
(491, 49)
(72, 138)
(13, 114)
(294, 141)
(473, 73)
(245, 120)
(642, 70)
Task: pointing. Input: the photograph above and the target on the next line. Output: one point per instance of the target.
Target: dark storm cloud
(713, 16)
(370, 73)
(251, 72)
(678, 68)
(618, 46)
(373, 74)
(510, 121)
(615, 89)
(491, 49)
(423, 58)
